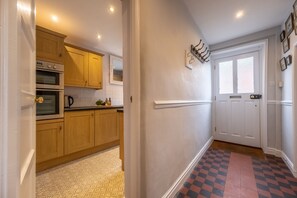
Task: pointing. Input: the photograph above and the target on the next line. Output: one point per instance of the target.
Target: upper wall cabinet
(49, 45)
(82, 68)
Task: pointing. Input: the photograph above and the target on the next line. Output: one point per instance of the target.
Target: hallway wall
(289, 99)
(170, 137)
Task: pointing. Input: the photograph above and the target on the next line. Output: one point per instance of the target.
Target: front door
(237, 105)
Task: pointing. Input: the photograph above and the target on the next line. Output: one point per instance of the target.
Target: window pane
(226, 77)
(245, 75)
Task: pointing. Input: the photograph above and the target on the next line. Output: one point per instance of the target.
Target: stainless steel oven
(52, 106)
(49, 86)
(49, 75)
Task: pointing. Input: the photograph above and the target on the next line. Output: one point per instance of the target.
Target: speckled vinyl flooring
(98, 175)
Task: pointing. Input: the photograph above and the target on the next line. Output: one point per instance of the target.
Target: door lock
(255, 96)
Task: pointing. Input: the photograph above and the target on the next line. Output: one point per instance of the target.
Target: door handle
(255, 96)
(39, 100)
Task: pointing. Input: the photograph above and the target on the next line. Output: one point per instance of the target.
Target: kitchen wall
(170, 137)
(88, 97)
(274, 92)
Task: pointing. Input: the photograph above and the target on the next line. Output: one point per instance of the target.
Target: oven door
(49, 79)
(52, 106)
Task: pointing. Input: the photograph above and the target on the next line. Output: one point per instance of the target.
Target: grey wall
(273, 77)
(289, 139)
(172, 137)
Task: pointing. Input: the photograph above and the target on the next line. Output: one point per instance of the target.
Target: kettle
(68, 101)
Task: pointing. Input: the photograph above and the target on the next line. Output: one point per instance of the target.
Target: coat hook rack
(201, 54)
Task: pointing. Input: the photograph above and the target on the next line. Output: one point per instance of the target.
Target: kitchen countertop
(93, 108)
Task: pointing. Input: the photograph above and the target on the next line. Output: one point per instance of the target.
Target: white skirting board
(186, 173)
(279, 153)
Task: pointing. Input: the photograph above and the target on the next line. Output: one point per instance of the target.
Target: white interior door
(237, 112)
(26, 58)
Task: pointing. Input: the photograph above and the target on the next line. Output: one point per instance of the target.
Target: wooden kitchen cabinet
(82, 68)
(120, 128)
(79, 130)
(76, 63)
(49, 45)
(106, 126)
(49, 139)
(95, 71)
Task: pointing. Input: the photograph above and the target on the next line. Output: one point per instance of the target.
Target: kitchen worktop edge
(92, 108)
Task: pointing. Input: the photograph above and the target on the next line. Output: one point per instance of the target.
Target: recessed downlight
(111, 9)
(55, 18)
(239, 14)
(99, 37)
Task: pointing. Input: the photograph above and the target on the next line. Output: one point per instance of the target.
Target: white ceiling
(216, 18)
(82, 21)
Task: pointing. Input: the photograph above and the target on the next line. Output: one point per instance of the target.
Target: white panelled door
(26, 58)
(237, 84)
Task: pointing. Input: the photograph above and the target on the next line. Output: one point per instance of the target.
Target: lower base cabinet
(120, 128)
(106, 126)
(49, 139)
(79, 131)
(79, 134)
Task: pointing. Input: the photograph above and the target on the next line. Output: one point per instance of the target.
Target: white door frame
(131, 59)
(262, 46)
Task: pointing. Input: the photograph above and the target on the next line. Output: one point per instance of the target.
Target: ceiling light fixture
(239, 14)
(111, 9)
(99, 36)
(55, 18)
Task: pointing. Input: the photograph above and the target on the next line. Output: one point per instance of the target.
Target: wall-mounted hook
(200, 47)
(198, 43)
(203, 51)
(203, 56)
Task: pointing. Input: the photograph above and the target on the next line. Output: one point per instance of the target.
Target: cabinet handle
(92, 114)
(60, 128)
(60, 55)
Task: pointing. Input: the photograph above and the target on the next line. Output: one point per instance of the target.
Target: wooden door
(237, 114)
(49, 140)
(79, 131)
(95, 71)
(49, 45)
(106, 126)
(75, 67)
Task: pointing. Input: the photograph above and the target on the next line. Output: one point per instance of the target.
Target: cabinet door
(120, 128)
(49, 140)
(95, 71)
(106, 126)
(75, 67)
(79, 131)
(49, 47)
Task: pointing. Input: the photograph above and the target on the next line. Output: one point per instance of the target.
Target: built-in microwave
(49, 75)
(52, 106)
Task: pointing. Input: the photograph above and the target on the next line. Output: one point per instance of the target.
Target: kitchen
(85, 66)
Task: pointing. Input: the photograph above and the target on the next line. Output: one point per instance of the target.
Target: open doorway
(93, 33)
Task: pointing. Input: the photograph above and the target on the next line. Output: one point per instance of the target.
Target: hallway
(229, 170)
